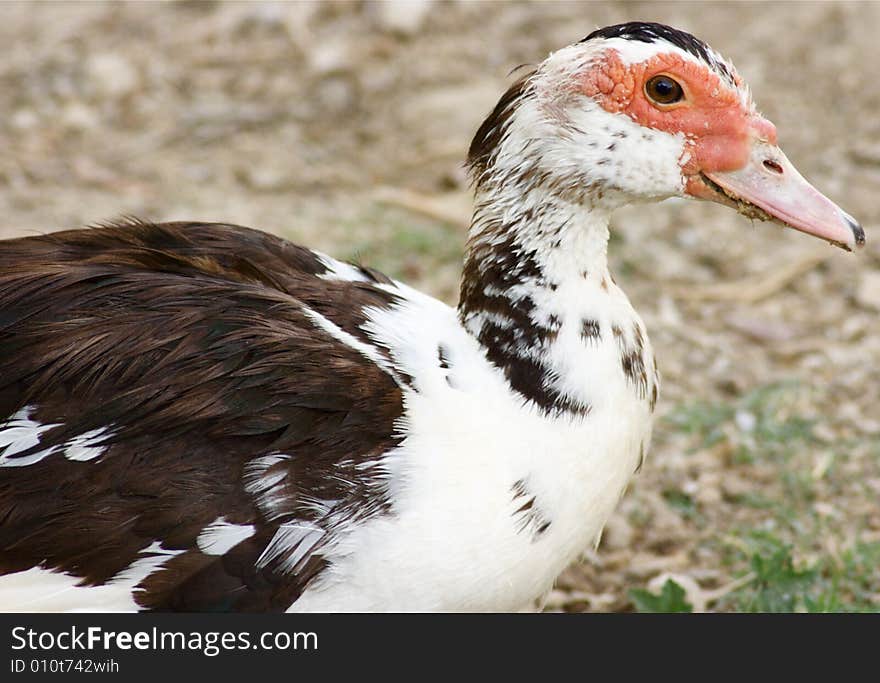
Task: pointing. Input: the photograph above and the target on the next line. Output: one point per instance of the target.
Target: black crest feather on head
(488, 138)
(651, 32)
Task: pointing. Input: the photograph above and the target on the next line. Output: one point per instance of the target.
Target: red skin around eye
(719, 129)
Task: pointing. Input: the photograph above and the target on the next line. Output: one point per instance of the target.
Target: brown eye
(663, 90)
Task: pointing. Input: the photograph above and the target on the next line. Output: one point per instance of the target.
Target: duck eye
(663, 90)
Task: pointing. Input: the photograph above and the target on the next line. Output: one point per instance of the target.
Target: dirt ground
(343, 126)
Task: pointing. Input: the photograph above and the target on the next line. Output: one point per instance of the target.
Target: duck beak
(771, 184)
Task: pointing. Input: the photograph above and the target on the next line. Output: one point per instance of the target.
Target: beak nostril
(772, 166)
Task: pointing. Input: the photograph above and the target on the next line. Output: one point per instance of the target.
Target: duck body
(205, 417)
(473, 499)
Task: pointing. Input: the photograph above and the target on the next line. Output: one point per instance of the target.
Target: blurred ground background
(343, 126)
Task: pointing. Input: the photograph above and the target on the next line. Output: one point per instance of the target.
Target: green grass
(765, 414)
(782, 584)
(671, 599)
(797, 559)
(704, 420)
(681, 502)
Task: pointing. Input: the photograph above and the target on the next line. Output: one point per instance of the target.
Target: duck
(206, 417)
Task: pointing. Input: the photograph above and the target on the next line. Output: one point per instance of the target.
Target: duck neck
(533, 262)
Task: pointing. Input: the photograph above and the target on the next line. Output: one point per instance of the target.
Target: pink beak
(770, 182)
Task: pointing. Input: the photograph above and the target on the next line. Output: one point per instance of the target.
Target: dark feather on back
(189, 343)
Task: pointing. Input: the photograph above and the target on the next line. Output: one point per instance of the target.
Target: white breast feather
(452, 540)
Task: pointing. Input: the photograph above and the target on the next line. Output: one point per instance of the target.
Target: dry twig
(451, 209)
(753, 289)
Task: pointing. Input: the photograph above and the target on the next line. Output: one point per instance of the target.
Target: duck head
(642, 112)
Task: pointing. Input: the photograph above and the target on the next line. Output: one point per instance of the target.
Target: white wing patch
(369, 352)
(267, 489)
(153, 559)
(339, 270)
(292, 542)
(220, 536)
(39, 589)
(43, 590)
(20, 433)
(86, 446)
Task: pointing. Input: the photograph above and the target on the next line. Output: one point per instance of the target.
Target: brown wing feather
(189, 344)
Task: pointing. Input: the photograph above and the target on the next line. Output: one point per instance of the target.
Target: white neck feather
(535, 274)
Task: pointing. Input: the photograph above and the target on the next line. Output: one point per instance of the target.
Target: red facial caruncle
(717, 124)
(730, 152)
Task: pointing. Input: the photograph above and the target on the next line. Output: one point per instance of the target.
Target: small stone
(112, 75)
(868, 292)
(263, 178)
(826, 510)
(618, 533)
(405, 17)
(745, 421)
(734, 487)
(78, 116)
(24, 119)
(337, 95)
(330, 57)
(643, 564)
(708, 493)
